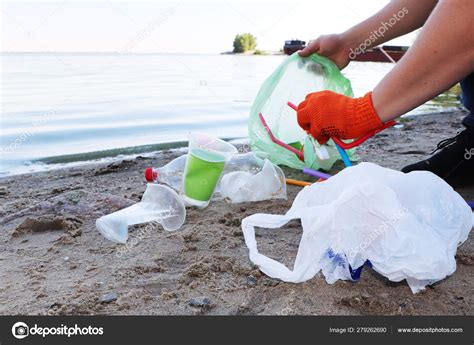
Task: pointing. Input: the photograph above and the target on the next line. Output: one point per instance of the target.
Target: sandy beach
(54, 262)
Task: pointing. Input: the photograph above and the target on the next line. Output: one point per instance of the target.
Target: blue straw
(344, 156)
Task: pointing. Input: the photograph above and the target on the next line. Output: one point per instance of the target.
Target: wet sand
(53, 261)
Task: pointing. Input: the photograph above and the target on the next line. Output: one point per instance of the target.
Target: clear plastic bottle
(247, 162)
(172, 173)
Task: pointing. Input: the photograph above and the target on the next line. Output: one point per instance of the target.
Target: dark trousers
(467, 99)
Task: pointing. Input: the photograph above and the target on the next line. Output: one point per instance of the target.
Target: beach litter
(246, 178)
(342, 146)
(298, 182)
(207, 157)
(278, 133)
(310, 152)
(281, 138)
(242, 186)
(404, 226)
(159, 204)
(171, 174)
(196, 176)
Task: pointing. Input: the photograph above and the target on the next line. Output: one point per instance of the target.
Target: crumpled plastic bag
(243, 186)
(407, 226)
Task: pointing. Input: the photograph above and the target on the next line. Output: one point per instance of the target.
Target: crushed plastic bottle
(246, 162)
(258, 184)
(249, 167)
(172, 173)
(159, 204)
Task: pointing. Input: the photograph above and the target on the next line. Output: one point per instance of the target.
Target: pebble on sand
(200, 302)
(108, 297)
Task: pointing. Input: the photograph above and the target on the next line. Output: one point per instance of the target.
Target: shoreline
(112, 155)
(97, 157)
(54, 261)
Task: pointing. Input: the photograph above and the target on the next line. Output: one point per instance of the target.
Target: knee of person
(467, 95)
(467, 100)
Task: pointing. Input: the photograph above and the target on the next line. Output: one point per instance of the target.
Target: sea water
(75, 107)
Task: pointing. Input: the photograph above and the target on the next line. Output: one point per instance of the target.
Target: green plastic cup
(207, 157)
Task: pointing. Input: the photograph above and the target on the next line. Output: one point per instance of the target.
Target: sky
(172, 26)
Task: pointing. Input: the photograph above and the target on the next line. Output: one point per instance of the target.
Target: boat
(292, 46)
(382, 54)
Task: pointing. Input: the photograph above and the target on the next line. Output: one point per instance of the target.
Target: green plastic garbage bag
(292, 81)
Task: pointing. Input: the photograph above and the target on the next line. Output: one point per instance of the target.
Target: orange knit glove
(328, 114)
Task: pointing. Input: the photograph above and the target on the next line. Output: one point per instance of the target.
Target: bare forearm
(409, 15)
(442, 55)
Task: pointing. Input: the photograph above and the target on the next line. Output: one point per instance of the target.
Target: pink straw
(279, 142)
(315, 173)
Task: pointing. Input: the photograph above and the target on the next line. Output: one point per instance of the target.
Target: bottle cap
(150, 174)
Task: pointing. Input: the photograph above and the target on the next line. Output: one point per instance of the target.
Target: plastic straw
(298, 182)
(279, 142)
(316, 173)
(292, 106)
(344, 156)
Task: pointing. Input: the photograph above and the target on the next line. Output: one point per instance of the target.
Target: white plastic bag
(408, 226)
(243, 186)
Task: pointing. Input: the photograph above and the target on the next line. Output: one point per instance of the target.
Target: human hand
(328, 114)
(331, 46)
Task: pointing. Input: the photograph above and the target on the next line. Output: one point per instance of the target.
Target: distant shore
(255, 52)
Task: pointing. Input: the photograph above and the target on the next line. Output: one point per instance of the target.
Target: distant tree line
(244, 42)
